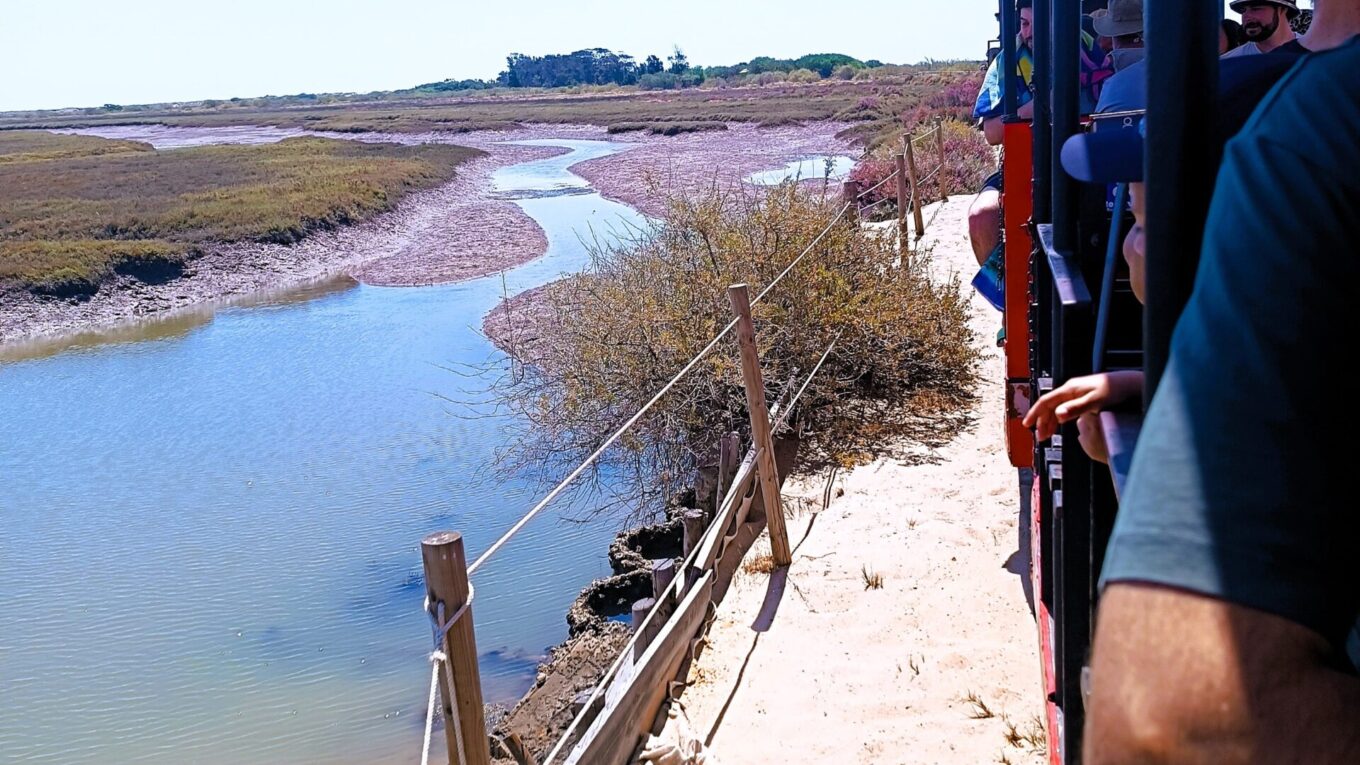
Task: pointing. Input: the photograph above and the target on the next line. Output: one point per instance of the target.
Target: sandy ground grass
(901, 634)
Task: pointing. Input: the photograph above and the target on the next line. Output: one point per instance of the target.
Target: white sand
(848, 675)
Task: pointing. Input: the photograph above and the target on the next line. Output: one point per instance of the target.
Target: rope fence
(454, 674)
(911, 199)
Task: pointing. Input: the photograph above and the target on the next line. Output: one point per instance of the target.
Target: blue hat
(1105, 156)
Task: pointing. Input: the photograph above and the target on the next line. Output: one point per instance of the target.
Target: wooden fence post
(939, 173)
(917, 201)
(694, 527)
(663, 573)
(760, 424)
(728, 461)
(446, 582)
(850, 196)
(903, 201)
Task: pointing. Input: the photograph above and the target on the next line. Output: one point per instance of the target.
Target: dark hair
(1021, 5)
(1237, 37)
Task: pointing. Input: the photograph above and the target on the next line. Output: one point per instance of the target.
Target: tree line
(601, 66)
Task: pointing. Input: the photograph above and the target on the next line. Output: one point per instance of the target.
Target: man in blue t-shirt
(1231, 592)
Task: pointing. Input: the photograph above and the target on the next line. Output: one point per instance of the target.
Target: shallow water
(209, 526)
(806, 169)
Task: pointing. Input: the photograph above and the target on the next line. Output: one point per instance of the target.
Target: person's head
(1263, 19)
(1123, 24)
(1026, 10)
(1230, 36)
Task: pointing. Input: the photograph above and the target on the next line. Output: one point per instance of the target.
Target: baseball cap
(1106, 156)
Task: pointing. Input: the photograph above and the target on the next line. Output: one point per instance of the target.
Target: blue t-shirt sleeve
(1239, 490)
(990, 102)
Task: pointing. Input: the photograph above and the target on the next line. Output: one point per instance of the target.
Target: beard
(1257, 31)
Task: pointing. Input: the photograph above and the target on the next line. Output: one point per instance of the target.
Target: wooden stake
(939, 138)
(740, 298)
(693, 521)
(903, 201)
(850, 196)
(917, 201)
(728, 461)
(663, 573)
(446, 582)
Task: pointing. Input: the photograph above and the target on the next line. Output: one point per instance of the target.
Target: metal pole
(1180, 172)
(1005, 65)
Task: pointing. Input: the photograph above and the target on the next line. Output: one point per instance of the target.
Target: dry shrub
(651, 302)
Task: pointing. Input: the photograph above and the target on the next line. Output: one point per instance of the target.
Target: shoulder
(1125, 91)
(1315, 106)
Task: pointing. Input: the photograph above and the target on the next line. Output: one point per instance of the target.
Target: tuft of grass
(979, 710)
(75, 209)
(758, 564)
(872, 580)
(1032, 737)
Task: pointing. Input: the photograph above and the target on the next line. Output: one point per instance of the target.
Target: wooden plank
(754, 382)
(628, 714)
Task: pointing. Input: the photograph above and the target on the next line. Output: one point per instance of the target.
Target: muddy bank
(456, 232)
(451, 233)
(574, 668)
(641, 177)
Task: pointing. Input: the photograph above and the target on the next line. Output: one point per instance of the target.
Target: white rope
(429, 715)
(440, 627)
(566, 482)
(784, 416)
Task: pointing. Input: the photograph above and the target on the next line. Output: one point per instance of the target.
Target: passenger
(1266, 24)
(1117, 157)
(984, 217)
(1103, 157)
(1096, 64)
(1227, 632)
(1230, 37)
(1127, 89)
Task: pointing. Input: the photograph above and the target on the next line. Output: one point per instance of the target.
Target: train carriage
(1069, 310)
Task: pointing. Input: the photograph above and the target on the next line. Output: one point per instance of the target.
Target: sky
(64, 53)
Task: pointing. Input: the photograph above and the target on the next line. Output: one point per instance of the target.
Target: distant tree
(653, 65)
(825, 63)
(873, 63)
(679, 62)
(112, 108)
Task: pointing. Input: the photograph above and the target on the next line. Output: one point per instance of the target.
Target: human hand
(1091, 436)
(1081, 395)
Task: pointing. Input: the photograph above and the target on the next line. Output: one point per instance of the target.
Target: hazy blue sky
(57, 53)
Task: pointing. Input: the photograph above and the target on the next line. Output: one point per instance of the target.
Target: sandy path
(844, 674)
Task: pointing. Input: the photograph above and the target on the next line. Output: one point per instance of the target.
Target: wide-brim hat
(1291, 6)
(1123, 17)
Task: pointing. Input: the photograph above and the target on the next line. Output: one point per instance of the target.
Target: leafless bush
(613, 336)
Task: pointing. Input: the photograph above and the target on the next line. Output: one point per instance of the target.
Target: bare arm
(1181, 678)
(995, 128)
